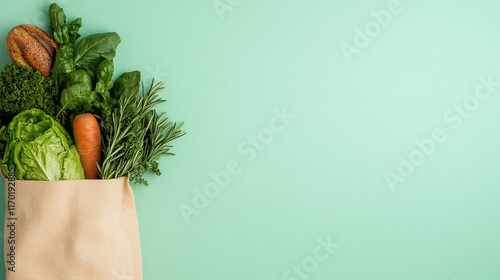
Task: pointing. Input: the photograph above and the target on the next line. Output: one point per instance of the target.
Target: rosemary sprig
(138, 136)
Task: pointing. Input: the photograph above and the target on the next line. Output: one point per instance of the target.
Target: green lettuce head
(40, 149)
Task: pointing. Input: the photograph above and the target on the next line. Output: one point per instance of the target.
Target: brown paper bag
(69, 230)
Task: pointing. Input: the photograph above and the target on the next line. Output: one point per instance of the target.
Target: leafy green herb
(95, 48)
(78, 93)
(72, 31)
(56, 16)
(104, 102)
(83, 72)
(133, 134)
(104, 75)
(63, 34)
(128, 84)
(64, 62)
(138, 136)
(21, 89)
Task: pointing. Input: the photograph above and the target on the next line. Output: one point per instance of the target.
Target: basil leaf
(127, 84)
(57, 16)
(59, 34)
(102, 87)
(73, 29)
(80, 76)
(104, 75)
(78, 95)
(91, 50)
(64, 62)
(63, 34)
(105, 71)
(104, 103)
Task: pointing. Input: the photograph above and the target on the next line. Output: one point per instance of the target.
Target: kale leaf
(22, 89)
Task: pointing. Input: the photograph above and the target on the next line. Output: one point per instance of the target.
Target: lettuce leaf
(40, 149)
(37, 162)
(72, 168)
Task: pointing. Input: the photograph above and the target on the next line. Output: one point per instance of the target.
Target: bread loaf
(30, 46)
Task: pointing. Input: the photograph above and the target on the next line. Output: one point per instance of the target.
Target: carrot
(88, 143)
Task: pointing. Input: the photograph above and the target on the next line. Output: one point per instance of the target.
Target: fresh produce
(83, 70)
(88, 143)
(40, 149)
(138, 136)
(30, 46)
(21, 89)
(63, 33)
(115, 127)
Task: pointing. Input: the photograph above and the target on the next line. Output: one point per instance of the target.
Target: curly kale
(22, 89)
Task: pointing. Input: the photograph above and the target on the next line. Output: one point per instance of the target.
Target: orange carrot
(88, 143)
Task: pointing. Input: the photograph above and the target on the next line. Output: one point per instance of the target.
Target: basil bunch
(134, 135)
(82, 70)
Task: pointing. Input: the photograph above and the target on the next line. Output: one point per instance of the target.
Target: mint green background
(323, 175)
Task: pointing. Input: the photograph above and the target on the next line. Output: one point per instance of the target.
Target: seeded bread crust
(30, 46)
